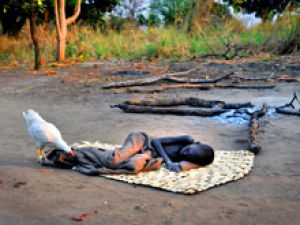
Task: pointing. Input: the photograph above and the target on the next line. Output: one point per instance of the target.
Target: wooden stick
(175, 111)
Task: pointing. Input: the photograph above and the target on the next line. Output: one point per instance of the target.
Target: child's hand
(175, 167)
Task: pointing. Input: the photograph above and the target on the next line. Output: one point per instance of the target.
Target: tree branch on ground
(290, 108)
(254, 125)
(167, 77)
(191, 101)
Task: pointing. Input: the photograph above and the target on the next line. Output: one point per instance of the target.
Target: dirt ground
(73, 100)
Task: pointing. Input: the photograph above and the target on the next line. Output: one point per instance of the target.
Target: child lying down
(139, 152)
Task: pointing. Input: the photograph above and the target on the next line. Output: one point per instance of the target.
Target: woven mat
(228, 166)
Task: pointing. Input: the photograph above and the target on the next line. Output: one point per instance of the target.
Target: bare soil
(73, 100)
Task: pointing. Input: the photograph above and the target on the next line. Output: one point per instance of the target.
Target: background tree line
(187, 15)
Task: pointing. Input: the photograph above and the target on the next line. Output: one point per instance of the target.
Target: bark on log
(175, 111)
(191, 101)
(254, 125)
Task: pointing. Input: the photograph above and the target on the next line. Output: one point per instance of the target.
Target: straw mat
(228, 166)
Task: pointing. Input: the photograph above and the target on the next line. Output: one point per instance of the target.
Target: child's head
(198, 153)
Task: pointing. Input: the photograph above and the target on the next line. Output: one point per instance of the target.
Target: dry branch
(254, 125)
(175, 111)
(289, 108)
(230, 52)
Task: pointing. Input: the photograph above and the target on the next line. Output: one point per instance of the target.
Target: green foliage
(71, 50)
(173, 11)
(263, 9)
(13, 13)
(152, 20)
(151, 51)
(100, 52)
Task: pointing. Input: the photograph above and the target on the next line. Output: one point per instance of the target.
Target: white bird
(44, 134)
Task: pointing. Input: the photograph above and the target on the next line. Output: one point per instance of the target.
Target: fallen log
(175, 111)
(191, 101)
(167, 77)
(254, 125)
(168, 87)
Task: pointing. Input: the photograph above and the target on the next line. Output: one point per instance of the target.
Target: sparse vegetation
(171, 43)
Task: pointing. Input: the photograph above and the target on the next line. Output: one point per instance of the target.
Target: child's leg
(132, 145)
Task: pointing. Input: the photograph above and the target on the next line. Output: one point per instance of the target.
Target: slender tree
(61, 25)
(33, 18)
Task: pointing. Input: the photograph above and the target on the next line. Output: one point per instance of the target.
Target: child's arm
(158, 145)
(182, 139)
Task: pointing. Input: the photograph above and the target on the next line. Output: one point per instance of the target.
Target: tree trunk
(61, 26)
(61, 46)
(34, 35)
